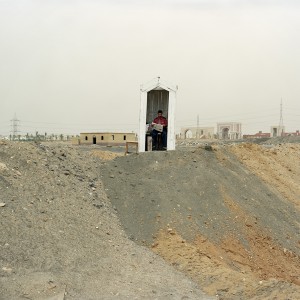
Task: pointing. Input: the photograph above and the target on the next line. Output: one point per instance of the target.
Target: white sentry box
(156, 95)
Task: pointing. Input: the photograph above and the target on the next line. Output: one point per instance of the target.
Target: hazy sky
(73, 66)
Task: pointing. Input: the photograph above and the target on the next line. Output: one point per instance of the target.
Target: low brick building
(258, 135)
(106, 138)
(296, 133)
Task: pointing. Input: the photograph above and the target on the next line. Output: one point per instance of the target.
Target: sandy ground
(218, 221)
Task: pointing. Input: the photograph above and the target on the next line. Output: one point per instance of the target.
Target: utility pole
(15, 123)
(280, 127)
(197, 132)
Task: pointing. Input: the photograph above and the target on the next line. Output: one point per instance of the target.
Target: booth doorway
(94, 140)
(157, 99)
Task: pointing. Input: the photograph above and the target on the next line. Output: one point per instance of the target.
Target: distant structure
(15, 123)
(258, 135)
(281, 127)
(156, 94)
(296, 133)
(229, 130)
(277, 131)
(106, 138)
(273, 133)
(197, 133)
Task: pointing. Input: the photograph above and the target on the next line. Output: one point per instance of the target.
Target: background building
(295, 133)
(257, 135)
(229, 130)
(277, 131)
(106, 138)
(197, 133)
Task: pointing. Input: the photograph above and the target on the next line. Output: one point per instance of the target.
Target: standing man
(161, 121)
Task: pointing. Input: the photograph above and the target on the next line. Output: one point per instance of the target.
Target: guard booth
(156, 95)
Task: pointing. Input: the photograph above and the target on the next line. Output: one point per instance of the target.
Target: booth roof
(157, 83)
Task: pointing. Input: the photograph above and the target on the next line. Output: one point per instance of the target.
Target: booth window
(113, 137)
(86, 137)
(102, 137)
(124, 137)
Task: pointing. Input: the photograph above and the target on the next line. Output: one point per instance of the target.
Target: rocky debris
(3, 167)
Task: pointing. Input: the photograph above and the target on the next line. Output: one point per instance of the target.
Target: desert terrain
(206, 221)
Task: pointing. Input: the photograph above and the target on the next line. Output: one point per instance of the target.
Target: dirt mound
(276, 165)
(60, 235)
(105, 155)
(203, 209)
(79, 222)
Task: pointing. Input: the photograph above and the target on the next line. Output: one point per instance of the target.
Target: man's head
(159, 113)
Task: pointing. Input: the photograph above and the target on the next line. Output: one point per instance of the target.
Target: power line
(15, 123)
(280, 127)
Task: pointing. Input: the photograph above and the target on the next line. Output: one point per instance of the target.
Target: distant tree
(61, 136)
(37, 136)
